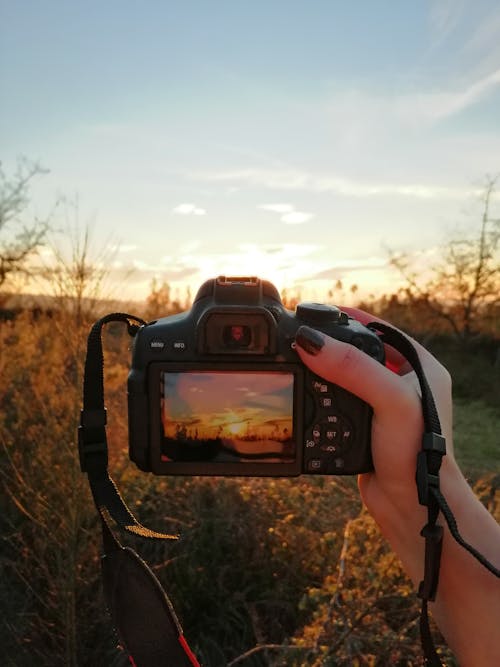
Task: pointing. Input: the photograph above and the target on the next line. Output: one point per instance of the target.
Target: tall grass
(267, 572)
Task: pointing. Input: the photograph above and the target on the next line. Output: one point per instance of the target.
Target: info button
(179, 346)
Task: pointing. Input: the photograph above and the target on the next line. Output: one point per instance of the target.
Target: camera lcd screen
(227, 416)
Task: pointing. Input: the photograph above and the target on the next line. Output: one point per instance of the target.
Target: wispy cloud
(437, 105)
(290, 179)
(464, 38)
(189, 209)
(123, 247)
(281, 264)
(444, 17)
(340, 268)
(288, 214)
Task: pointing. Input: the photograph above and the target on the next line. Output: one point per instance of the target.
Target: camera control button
(347, 436)
(315, 465)
(179, 346)
(346, 432)
(325, 402)
(320, 387)
(317, 313)
(331, 434)
(332, 419)
(157, 344)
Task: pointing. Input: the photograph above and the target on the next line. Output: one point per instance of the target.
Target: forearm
(467, 607)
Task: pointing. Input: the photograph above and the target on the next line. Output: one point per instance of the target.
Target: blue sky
(295, 140)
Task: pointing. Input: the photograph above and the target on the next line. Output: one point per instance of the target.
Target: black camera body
(220, 390)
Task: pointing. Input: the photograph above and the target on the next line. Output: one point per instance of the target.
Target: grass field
(292, 563)
(477, 437)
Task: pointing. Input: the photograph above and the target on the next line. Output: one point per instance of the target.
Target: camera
(220, 390)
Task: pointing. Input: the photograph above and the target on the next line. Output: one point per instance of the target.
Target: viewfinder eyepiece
(237, 335)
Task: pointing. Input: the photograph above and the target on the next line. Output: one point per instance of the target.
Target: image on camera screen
(227, 416)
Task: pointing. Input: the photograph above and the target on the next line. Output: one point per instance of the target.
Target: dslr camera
(220, 390)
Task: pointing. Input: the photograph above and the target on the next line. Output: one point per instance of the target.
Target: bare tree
(75, 271)
(19, 239)
(463, 289)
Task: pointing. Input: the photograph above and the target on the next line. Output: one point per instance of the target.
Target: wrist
(396, 509)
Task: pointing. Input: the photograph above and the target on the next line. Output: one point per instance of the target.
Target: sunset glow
(245, 412)
(217, 141)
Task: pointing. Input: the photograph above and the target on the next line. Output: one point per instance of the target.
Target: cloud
(179, 273)
(298, 180)
(444, 17)
(348, 266)
(123, 247)
(287, 213)
(433, 106)
(277, 208)
(189, 209)
(296, 218)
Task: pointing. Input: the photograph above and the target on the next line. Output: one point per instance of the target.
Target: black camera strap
(141, 611)
(429, 494)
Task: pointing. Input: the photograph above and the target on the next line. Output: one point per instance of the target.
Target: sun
(248, 260)
(236, 428)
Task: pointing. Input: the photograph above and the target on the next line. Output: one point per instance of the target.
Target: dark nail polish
(309, 339)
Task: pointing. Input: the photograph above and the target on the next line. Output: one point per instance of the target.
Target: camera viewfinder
(237, 335)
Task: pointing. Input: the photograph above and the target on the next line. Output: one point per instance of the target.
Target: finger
(396, 405)
(354, 370)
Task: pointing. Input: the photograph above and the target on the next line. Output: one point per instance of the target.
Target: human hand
(467, 606)
(397, 426)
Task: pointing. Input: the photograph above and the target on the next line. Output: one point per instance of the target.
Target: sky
(294, 140)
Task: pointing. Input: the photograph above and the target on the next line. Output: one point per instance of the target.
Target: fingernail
(309, 339)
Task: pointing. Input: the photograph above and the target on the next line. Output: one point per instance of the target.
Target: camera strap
(429, 494)
(142, 613)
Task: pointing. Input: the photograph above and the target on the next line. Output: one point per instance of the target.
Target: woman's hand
(468, 602)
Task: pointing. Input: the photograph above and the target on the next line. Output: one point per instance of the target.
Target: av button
(320, 387)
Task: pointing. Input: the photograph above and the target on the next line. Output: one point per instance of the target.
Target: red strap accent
(188, 652)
